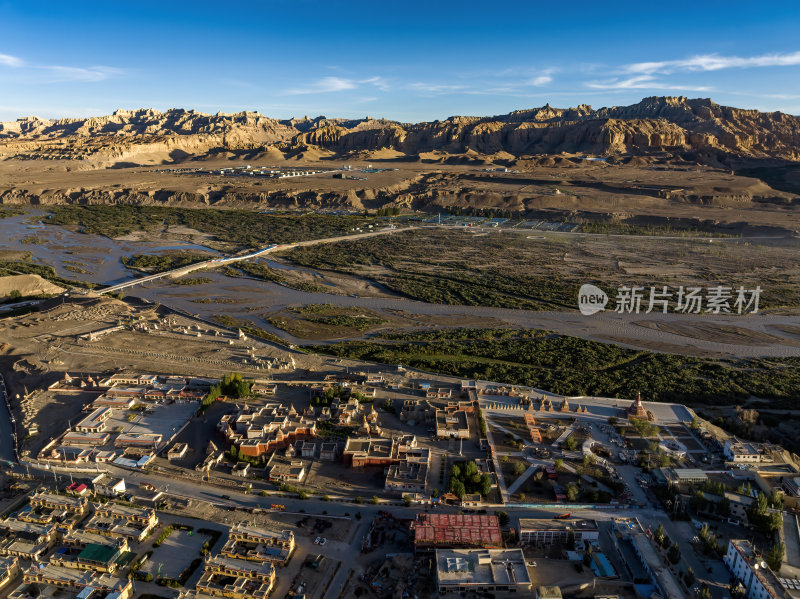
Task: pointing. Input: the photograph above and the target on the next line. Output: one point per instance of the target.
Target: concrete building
(481, 571)
(236, 578)
(757, 579)
(452, 425)
(545, 532)
(747, 452)
(108, 486)
(630, 531)
(24, 539)
(263, 431)
(68, 503)
(42, 580)
(95, 422)
(434, 531)
(285, 469)
(259, 544)
(178, 451)
(115, 520)
(9, 568)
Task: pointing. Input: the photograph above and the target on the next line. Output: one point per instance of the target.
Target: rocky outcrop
(710, 133)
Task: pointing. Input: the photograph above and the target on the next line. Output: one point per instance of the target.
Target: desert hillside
(697, 130)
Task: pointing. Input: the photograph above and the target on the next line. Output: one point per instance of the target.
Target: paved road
(215, 262)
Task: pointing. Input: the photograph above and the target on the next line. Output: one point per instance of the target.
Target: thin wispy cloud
(57, 73)
(339, 84)
(435, 88)
(713, 62)
(87, 74)
(10, 61)
(541, 80)
(644, 82)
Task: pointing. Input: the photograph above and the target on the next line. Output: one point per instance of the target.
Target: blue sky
(406, 60)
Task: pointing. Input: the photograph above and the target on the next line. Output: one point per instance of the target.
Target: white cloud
(713, 62)
(378, 82)
(338, 84)
(435, 88)
(87, 74)
(644, 82)
(541, 80)
(10, 61)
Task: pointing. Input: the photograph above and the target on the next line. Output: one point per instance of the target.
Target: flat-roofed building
(685, 475)
(141, 440)
(121, 402)
(632, 532)
(259, 544)
(141, 515)
(282, 469)
(25, 539)
(80, 539)
(544, 532)
(108, 486)
(329, 452)
(70, 503)
(236, 578)
(96, 421)
(365, 451)
(407, 477)
(90, 439)
(99, 557)
(746, 566)
(178, 451)
(85, 584)
(114, 520)
(481, 571)
(256, 432)
(9, 568)
(452, 425)
(432, 531)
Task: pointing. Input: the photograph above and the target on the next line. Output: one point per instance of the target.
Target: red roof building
(439, 531)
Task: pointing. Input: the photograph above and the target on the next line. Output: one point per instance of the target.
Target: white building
(107, 485)
(757, 579)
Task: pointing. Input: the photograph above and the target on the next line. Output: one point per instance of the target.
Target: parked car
(316, 541)
(323, 540)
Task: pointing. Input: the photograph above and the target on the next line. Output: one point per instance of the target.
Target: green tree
(674, 553)
(572, 492)
(359, 500)
(435, 492)
(724, 508)
(570, 444)
(407, 500)
(457, 488)
(695, 423)
(705, 592)
(485, 485)
(14, 295)
(689, 577)
(375, 500)
(518, 468)
(502, 518)
(558, 464)
(659, 534)
(774, 556)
